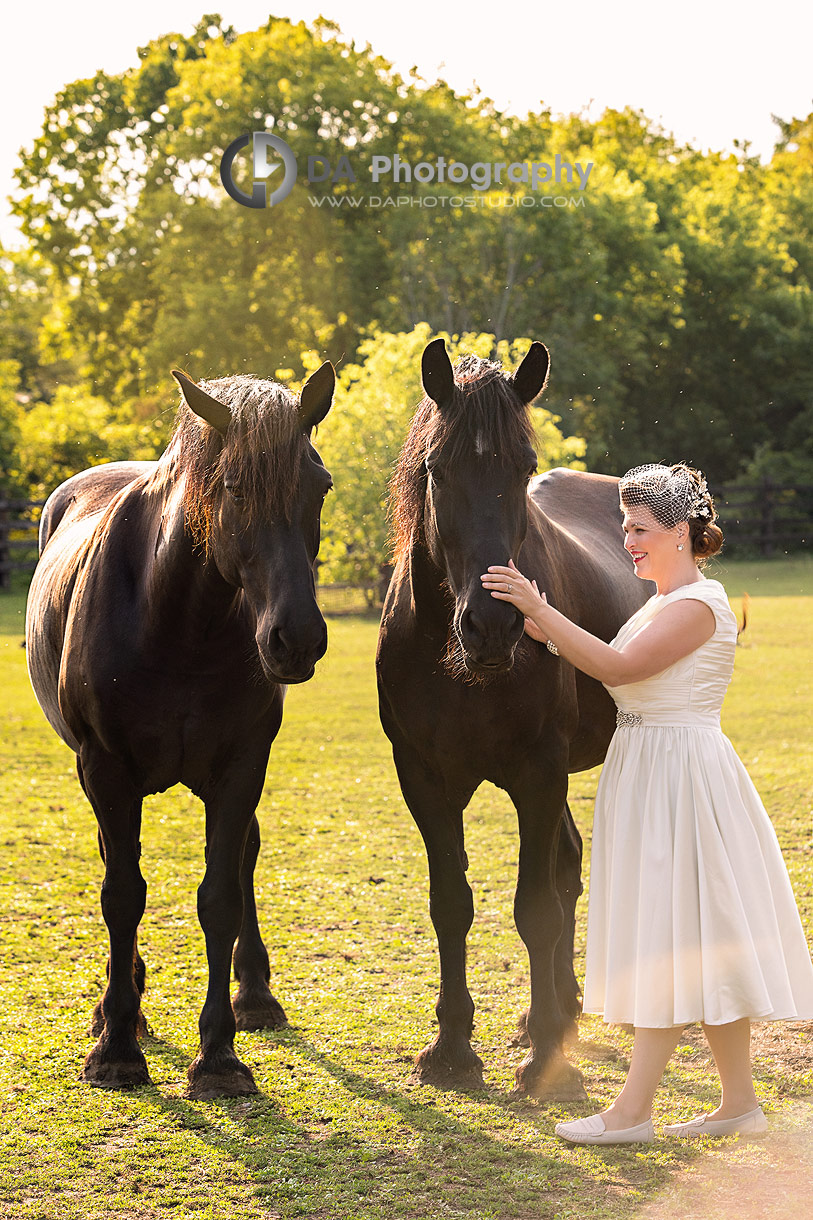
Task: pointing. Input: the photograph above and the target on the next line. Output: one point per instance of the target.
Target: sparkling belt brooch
(627, 720)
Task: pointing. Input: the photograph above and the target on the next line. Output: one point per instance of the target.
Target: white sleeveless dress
(691, 915)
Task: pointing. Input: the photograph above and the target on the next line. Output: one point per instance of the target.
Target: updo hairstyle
(674, 494)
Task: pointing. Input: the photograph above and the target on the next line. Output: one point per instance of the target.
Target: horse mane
(260, 453)
(485, 411)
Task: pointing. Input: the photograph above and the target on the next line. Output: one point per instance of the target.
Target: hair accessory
(671, 493)
(551, 647)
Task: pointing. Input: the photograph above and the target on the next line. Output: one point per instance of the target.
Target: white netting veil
(671, 493)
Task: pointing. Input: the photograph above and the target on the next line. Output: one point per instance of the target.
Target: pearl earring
(680, 546)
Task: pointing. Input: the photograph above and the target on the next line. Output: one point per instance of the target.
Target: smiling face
(652, 548)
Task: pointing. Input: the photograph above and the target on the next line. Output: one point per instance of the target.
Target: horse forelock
(260, 454)
(486, 417)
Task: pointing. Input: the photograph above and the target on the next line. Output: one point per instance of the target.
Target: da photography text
(270, 153)
(481, 176)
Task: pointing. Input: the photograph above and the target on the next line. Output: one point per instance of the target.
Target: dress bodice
(691, 691)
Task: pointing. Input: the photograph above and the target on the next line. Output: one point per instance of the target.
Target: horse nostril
(276, 641)
(294, 642)
(489, 628)
(472, 625)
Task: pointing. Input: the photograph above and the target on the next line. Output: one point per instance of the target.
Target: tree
(74, 431)
(675, 298)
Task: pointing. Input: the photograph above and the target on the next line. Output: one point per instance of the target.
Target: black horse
(172, 603)
(465, 696)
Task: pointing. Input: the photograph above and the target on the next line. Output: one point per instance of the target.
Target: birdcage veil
(671, 493)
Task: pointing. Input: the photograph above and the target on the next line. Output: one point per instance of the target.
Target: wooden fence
(19, 522)
(765, 518)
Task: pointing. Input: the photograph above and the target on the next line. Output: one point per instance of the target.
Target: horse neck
(184, 581)
(428, 592)
(562, 567)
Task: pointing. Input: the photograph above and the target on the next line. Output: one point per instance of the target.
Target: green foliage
(33, 323)
(676, 302)
(363, 434)
(9, 428)
(74, 431)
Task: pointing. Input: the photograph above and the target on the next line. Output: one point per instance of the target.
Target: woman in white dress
(691, 915)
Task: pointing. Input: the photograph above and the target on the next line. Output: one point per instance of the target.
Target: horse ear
(203, 405)
(529, 379)
(317, 396)
(437, 374)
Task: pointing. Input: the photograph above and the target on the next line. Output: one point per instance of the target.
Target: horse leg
(140, 980)
(139, 974)
(253, 1004)
(116, 1060)
(540, 799)
(448, 1061)
(216, 1071)
(569, 887)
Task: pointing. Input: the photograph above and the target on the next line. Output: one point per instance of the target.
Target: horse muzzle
(489, 636)
(287, 658)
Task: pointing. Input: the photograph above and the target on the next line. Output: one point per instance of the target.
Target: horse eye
(234, 491)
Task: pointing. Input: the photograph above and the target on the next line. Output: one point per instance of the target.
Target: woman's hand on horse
(509, 585)
(534, 632)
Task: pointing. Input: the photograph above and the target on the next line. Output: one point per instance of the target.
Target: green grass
(337, 1132)
(786, 576)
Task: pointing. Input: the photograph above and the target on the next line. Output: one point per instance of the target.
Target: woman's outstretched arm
(678, 630)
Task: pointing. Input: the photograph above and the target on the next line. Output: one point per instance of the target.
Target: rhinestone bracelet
(551, 647)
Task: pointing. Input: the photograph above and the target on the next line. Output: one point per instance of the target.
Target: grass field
(337, 1132)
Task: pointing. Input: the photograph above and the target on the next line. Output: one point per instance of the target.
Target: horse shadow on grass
(302, 1159)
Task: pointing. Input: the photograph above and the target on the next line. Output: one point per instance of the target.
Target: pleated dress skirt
(691, 913)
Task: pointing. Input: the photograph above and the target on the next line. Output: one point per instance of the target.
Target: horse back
(67, 528)
(584, 504)
(87, 493)
(599, 588)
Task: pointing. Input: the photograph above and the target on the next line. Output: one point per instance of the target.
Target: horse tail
(746, 602)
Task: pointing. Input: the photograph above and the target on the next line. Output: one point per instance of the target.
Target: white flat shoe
(592, 1131)
(752, 1123)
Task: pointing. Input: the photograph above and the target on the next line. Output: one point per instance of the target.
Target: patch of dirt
(787, 1045)
(770, 1178)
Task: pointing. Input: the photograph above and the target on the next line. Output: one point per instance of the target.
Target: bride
(691, 916)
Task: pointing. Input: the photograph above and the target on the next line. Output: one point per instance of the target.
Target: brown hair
(706, 538)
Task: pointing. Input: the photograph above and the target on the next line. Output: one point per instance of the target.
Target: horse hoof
(555, 1080)
(437, 1066)
(114, 1073)
(206, 1084)
(258, 1012)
